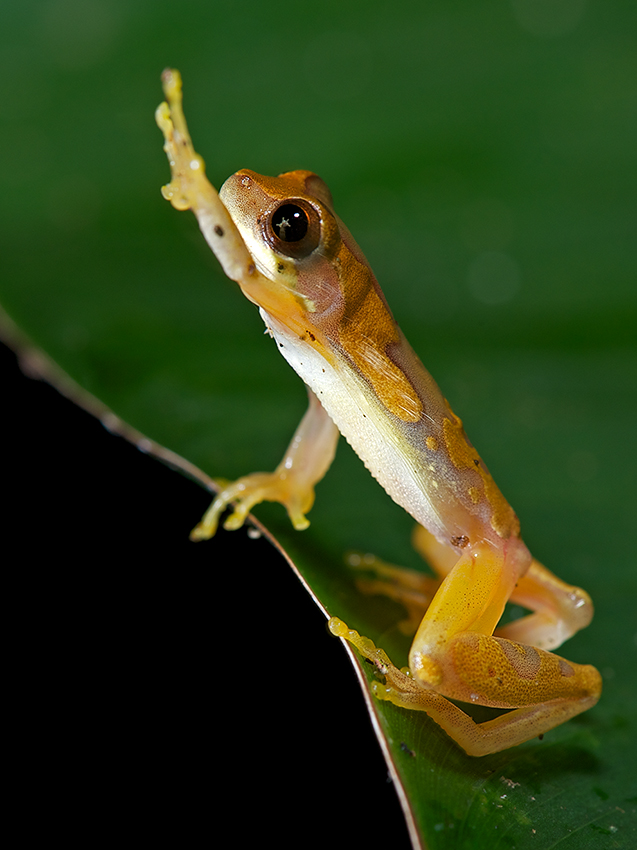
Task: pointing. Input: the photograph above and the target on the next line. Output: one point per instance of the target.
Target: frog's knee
(579, 609)
(425, 669)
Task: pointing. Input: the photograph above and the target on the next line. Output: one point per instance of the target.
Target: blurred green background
(482, 154)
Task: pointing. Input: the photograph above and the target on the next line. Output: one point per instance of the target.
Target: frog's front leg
(305, 462)
(189, 188)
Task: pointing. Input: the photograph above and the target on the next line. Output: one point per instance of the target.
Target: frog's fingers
(189, 187)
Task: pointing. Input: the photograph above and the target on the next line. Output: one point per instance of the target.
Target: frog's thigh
(412, 589)
(455, 653)
(560, 609)
(471, 598)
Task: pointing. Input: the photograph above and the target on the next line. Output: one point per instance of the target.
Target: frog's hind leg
(476, 739)
(560, 609)
(398, 687)
(455, 653)
(413, 590)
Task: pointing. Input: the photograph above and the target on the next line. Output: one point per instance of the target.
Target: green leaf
(483, 157)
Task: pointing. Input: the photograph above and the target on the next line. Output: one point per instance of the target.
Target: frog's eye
(294, 229)
(289, 223)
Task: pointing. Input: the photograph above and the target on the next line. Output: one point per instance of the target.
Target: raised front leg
(305, 462)
(189, 187)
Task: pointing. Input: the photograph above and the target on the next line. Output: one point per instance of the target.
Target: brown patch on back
(367, 329)
(463, 456)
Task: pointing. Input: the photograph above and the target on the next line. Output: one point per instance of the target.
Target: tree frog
(281, 240)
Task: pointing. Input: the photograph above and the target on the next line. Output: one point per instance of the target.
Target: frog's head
(319, 284)
(287, 222)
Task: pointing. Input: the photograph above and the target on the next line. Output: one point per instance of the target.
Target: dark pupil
(290, 223)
